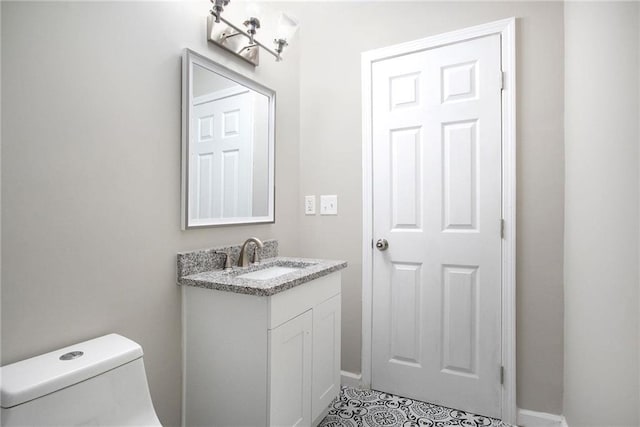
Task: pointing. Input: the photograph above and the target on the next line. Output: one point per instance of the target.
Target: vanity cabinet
(261, 360)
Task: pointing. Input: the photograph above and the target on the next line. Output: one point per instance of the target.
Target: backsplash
(207, 259)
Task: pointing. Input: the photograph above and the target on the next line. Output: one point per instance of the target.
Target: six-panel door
(437, 200)
(221, 155)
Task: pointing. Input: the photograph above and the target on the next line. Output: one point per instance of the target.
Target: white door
(290, 372)
(326, 355)
(221, 150)
(437, 201)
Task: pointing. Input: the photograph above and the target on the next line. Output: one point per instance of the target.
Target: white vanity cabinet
(261, 360)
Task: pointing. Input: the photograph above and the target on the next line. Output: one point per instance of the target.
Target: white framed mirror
(228, 146)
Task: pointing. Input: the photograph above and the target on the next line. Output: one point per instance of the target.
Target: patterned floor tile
(369, 408)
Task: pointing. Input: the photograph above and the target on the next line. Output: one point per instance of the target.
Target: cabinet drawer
(293, 302)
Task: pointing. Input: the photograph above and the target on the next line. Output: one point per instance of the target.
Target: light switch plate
(309, 205)
(329, 205)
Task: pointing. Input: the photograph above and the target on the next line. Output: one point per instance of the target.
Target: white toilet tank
(100, 382)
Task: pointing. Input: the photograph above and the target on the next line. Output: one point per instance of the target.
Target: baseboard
(350, 379)
(528, 418)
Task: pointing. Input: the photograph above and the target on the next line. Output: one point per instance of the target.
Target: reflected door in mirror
(229, 146)
(221, 154)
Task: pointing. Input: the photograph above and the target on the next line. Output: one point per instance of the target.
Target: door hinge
(372, 244)
(502, 228)
(502, 79)
(502, 375)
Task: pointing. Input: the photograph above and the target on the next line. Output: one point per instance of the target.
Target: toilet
(100, 382)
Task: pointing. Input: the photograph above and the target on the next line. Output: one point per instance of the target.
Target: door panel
(459, 312)
(405, 319)
(290, 373)
(326, 354)
(437, 200)
(406, 178)
(459, 175)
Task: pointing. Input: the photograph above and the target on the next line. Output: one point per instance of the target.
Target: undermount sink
(268, 273)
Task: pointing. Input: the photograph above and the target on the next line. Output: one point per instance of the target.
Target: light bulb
(253, 10)
(287, 27)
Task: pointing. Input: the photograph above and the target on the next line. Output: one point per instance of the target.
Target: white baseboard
(528, 418)
(350, 379)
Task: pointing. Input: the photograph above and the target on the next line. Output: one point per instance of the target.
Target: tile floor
(370, 408)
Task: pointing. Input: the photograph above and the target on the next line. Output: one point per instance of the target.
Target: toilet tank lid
(29, 379)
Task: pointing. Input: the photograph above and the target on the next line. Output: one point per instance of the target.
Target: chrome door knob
(382, 244)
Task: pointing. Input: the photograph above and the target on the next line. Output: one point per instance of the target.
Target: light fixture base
(232, 39)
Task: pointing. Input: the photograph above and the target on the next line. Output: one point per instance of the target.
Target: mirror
(228, 142)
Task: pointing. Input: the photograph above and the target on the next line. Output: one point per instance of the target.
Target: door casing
(506, 29)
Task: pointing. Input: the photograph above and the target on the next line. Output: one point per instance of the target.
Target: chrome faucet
(243, 259)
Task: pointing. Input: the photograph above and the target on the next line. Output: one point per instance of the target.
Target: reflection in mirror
(228, 146)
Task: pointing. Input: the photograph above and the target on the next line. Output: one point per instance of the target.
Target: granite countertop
(228, 280)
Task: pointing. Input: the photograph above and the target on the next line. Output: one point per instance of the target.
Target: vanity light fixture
(243, 42)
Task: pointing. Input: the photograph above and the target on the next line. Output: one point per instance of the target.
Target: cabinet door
(290, 372)
(326, 354)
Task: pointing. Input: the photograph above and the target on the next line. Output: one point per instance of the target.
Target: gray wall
(330, 158)
(91, 176)
(602, 87)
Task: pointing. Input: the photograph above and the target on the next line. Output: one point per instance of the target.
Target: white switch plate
(329, 205)
(309, 205)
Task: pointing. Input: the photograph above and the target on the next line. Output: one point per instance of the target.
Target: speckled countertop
(228, 280)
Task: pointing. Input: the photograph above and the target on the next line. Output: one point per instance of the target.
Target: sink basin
(268, 273)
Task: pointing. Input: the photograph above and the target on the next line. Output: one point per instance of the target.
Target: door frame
(506, 29)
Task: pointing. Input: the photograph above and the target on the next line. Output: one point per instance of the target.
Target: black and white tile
(369, 408)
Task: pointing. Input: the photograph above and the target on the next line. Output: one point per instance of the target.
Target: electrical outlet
(329, 205)
(309, 205)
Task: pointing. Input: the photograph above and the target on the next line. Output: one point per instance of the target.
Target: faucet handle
(227, 259)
